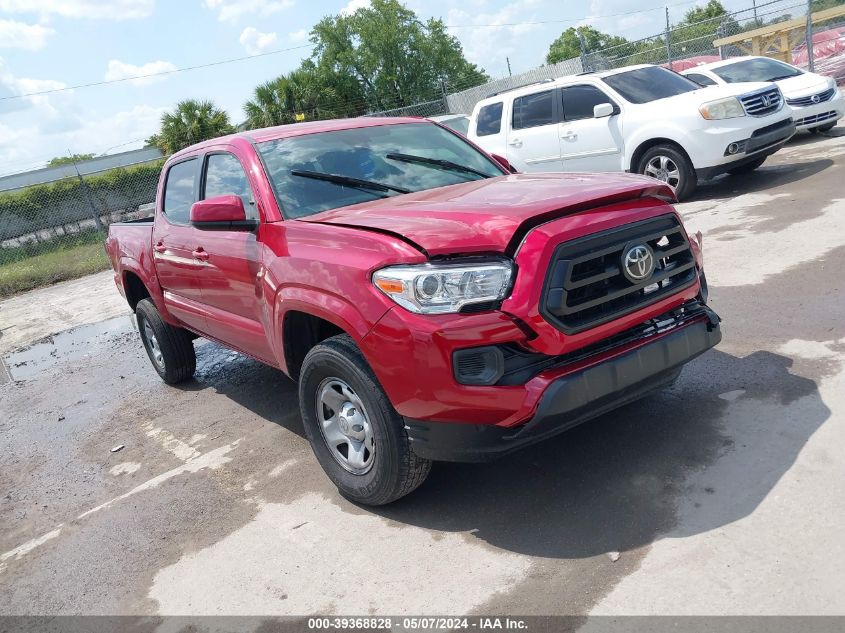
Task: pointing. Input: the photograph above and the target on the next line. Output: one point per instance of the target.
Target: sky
(49, 44)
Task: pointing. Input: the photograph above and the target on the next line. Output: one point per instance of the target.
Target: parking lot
(721, 495)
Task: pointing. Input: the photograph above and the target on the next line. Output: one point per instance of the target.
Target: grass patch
(27, 267)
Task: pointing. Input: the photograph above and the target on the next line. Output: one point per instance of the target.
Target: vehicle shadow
(620, 481)
(257, 387)
(762, 179)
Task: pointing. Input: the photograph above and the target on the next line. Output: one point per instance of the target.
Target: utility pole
(97, 221)
(668, 45)
(508, 60)
(583, 46)
(754, 4)
(809, 37)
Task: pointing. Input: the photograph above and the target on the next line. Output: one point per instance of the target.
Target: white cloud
(92, 9)
(121, 70)
(298, 36)
(354, 5)
(30, 37)
(494, 40)
(254, 41)
(29, 147)
(13, 85)
(233, 10)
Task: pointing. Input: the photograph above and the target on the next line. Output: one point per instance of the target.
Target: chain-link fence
(68, 217)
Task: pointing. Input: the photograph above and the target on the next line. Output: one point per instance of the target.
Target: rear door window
(489, 120)
(534, 110)
(179, 191)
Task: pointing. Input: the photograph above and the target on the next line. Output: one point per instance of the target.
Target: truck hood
(486, 216)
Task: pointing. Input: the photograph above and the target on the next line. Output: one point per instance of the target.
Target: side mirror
(221, 213)
(504, 163)
(602, 110)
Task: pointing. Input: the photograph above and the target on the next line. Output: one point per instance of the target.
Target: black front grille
(586, 287)
(809, 100)
(762, 103)
(817, 118)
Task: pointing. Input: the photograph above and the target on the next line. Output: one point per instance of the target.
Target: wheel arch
(647, 144)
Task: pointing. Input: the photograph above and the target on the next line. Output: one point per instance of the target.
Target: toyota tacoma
(431, 303)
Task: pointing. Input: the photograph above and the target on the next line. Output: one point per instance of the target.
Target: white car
(816, 102)
(457, 122)
(643, 119)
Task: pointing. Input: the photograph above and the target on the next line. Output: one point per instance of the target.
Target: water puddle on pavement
(74, 344)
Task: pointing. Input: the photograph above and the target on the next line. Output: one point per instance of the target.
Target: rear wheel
(747, 167)
(355, 433)
(170, 348)
(668, 164)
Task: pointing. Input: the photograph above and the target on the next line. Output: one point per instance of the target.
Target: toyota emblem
(638, 262)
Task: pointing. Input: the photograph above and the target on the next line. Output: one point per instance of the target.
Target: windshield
(649, 83)
(756, 70)
(317, 172)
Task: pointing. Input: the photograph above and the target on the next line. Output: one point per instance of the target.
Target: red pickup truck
(431, 303)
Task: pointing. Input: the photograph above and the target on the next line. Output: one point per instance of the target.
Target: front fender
(322, 304)
(665, 131)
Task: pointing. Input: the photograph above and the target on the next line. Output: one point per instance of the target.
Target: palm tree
(297, 96)
(268, 107)
(190, 122)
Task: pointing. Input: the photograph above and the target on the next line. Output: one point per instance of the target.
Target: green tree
(568, 44)
(301, 95)
(190, 122)
(66, 160)
(396, 59)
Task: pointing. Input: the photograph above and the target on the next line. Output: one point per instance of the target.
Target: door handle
(515, 143)
(159, 247)
(569, 135)
(200, 254)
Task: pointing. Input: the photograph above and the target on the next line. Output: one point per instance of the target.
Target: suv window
(224, 175)
(701, 80)
(649, 83)
(179, 191)
(578, 101)
(489, 120)
(533, 110)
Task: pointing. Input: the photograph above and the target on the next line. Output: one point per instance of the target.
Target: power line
(156, 74)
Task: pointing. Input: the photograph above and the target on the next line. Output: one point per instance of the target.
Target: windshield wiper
(779, 77)
(348, 181)
(436, 162)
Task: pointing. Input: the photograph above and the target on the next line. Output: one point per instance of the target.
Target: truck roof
(298, 129)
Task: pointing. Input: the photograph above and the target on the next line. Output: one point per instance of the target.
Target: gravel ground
(721, 495)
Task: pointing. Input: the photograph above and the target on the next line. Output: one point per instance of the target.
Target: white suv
(816, 102)
(643, 119)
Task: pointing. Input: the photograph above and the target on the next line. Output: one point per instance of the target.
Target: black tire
(394, 470)
(827, 127)
(177, 360)
(748, 167)
(687, 180)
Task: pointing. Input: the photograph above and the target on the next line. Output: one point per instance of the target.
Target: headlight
(443, 288)
(729, 108)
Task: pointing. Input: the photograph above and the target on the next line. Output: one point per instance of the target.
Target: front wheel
(827, 127)
(670, 165)
(355, 433)
(747, 167)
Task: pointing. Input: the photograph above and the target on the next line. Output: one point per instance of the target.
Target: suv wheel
(747, 167)
(170, 349)
(355, 433)
(671, 166)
